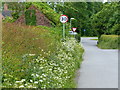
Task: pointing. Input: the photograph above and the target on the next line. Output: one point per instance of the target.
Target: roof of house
(41, 19)
(7, 13)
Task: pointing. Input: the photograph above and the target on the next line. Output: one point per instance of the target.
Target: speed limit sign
(63, 18)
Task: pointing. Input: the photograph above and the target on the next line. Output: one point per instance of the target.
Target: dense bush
(108, 42)
(34, 57)
(107, 21)
(78, 37)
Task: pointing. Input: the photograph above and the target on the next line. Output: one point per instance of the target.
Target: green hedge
(78, 37)
(108, 42)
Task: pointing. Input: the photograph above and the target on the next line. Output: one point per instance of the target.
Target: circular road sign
(63, 18)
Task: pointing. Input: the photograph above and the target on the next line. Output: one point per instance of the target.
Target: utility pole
(63, 30)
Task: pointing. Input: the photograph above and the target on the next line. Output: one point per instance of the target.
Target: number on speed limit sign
(63, 18)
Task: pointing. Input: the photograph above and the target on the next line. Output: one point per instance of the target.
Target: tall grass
(109, 42)
(21, 40)
(34, 57)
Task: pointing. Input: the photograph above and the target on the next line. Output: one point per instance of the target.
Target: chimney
(5, 7)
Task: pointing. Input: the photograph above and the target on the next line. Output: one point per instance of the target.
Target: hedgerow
(109, 42)
(33, 57)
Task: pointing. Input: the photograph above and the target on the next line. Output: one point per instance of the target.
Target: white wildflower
(50, 69)
(22, 80)
(26, 84)
(21, 86)
(18, 82)
(41, 76)
(31, 54)
(41, 67)
(10, 84)
(44, 75)
(32, 74)
(31, 80)
(5, 79)
(44, 79)
(30, 86)
(37, 60)
(65, 72)
(10, 76)
(41, 80)
(36, 82)
(37, 75)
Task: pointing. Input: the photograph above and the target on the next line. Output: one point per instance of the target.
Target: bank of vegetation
(34, 57)
(109, 42)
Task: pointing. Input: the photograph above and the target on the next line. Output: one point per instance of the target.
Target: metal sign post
(74, 29)
(71, 22)
(63, 19)
(63, 30)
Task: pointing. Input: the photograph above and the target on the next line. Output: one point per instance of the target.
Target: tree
(107, 20)
(81, 11)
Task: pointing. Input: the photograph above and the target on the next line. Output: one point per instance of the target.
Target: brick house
(41, 19)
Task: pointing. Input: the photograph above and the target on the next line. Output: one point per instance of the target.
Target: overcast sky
(104, 0)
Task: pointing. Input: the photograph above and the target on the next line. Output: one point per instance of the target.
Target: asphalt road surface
(99, 68)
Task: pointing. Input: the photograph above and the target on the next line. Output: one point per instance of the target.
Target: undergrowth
(34, 57)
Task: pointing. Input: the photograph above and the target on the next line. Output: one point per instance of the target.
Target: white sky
(104, 1)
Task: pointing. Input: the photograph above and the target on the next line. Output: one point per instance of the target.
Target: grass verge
(93, 39)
